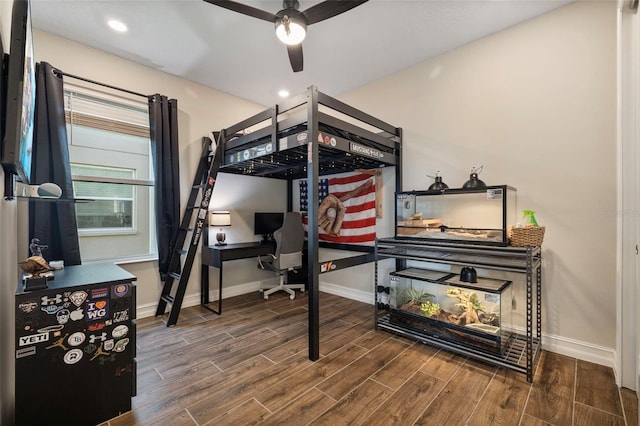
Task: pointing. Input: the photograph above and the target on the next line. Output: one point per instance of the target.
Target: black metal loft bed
(307, 136)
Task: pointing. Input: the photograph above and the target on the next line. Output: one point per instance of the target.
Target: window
(112, 172)
(111, 212)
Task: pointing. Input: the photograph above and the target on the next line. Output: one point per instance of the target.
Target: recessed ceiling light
(283, 93)
(117, 26)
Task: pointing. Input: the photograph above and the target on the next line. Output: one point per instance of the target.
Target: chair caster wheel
(293, 296)
(266, 297)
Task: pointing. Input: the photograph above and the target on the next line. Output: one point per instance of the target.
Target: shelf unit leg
(529, 318)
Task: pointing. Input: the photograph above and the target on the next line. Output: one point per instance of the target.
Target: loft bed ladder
(193, 221)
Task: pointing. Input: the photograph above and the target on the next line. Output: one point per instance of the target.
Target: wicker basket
(527, 237)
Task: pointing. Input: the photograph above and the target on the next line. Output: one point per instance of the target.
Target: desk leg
(220, 290)
(204, 289)
(204, 284)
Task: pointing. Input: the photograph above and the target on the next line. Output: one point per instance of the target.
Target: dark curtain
(52, 222)
(163, 120)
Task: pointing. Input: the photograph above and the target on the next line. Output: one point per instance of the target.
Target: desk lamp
(220, 218)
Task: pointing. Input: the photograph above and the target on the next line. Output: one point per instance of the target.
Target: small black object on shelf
(438, 184)
(35, 283)
(474, 182)
(468, 274)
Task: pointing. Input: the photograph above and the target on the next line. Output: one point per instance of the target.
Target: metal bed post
(375, 286)
(400, 263)
(289, 195)
(313, 266)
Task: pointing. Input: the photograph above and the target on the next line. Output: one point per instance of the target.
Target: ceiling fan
(291, 23)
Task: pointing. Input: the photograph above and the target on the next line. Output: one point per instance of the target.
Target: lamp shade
(220, 218)
(474, 182)
(438, 185)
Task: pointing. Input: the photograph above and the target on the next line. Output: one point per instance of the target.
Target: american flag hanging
(353, 195)
(323, 191)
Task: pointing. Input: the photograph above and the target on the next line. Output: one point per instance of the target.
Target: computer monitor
(266, 224)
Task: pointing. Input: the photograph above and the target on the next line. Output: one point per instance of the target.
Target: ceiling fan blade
(244, 9)
(328, 9)
(295, 56)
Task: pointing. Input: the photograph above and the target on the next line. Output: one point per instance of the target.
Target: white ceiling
(241, 55)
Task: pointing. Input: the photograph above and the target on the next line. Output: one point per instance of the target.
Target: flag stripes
(359, 200)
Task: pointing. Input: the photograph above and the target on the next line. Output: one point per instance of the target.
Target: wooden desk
(216, 256)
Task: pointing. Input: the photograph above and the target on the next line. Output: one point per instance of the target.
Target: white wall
(535, 105)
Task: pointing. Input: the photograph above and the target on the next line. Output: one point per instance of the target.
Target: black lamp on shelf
(474, 182)
(438, 184)
(220, 218)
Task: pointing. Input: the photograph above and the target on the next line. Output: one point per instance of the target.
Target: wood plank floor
(250, 366)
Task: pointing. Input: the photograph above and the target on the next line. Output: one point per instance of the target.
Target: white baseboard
(558, 344)
(149, 309)
(581, 350)
(348, 293)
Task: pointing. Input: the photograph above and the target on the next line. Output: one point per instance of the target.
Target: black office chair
(288, 256)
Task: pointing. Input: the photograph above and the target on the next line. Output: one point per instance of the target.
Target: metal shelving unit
(524, 348)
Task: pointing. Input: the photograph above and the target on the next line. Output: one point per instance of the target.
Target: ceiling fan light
(291, 30)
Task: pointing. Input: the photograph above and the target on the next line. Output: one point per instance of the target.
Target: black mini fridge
(75, 347)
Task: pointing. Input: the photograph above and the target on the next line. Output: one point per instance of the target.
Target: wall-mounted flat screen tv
(20, 96)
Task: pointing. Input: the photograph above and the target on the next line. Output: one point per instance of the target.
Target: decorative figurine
(36, 270)
(35, 265)
(36, 248)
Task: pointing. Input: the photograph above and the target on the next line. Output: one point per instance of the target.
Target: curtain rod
(100, 84)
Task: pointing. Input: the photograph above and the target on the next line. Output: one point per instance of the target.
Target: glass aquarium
(441, 304)
(480, 216)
